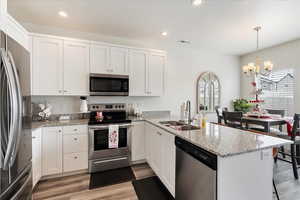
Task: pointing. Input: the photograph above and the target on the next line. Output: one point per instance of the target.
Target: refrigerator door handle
(19, 108)
(13, 112)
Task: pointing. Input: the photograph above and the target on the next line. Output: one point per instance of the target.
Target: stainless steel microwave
(109, 85)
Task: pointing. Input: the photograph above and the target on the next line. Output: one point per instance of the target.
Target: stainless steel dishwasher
(196, 172)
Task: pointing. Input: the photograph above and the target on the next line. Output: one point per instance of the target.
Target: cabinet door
(137, 75)
(118, 60)
(148, 142)
(51, 151)
(138, 150)
(100, 59)
(168, 161)
(36, 156)
(76, 68)
(155, 73)
(47, 66)
(157, 148)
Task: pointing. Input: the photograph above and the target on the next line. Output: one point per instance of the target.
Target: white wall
(184, 65)
(286, 55)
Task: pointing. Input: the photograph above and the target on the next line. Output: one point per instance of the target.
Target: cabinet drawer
(75, 161)
(76, 129)
(75, 143)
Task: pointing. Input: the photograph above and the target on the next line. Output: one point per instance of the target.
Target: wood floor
(77, 188)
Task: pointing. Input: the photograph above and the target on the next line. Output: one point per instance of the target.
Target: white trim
(96, 42)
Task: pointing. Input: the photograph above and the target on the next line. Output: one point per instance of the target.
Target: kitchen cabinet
(75, 148)
(36, 156)
(137, 75)
(47, 69)
(52, 151)
(160, 154)
(99, 59)
(64, 149)
(138, 150)
(147, 69)
(108, 60)
(156, 74)
(76, 68)
(60, 66)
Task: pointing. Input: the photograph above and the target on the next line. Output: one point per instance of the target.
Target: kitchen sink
(178, 125)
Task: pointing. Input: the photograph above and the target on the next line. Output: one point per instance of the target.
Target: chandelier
(258, 66)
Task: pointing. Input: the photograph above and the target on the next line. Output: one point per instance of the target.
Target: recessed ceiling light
(63, 14)
(164, 33)
(196, 2)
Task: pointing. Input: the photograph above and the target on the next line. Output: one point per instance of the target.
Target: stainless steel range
(101, 157)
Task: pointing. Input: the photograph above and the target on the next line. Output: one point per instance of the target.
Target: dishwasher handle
(207, 158)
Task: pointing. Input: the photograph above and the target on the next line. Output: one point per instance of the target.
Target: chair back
(219, 113)
(276, 112)
(233, 119)
(296, 128)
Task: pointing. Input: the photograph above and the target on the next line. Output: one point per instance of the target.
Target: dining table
(266, 123)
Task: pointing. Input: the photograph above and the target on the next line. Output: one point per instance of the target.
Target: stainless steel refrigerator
(15, 121)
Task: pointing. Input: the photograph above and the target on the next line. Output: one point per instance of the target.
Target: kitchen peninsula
(244, 160)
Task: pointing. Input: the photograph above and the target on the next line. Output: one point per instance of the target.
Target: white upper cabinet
(146, 73)
(156, 74)
(99, 58)
(118, 60)
(76, 68)
(108, 60)
(47, 66)
(137, 77)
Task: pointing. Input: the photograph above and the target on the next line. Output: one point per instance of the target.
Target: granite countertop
(224, 141)
(38, 124)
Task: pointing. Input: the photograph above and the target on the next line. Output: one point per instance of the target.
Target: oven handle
(105, 127)
(110, 160)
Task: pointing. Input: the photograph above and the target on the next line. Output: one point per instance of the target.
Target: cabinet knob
(33, 137)
(65, 91)
(159, 133)
(75, 157)
(75, 139)
(75, 129)
(59, 131)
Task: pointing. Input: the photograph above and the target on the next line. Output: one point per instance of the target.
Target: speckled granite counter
(224, 141)
(36, 125)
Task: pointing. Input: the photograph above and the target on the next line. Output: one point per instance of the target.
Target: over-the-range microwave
(109, 85)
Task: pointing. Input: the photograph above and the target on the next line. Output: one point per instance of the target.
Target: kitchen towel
(113, 136)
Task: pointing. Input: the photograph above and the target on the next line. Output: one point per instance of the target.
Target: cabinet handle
(65, 91)
(33, 137)
(75, 129)
(159, 133)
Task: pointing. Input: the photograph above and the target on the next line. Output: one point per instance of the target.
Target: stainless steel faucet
(188, 109)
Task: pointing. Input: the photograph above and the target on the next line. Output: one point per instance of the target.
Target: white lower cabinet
(36, 156)
(64, 149)
(51, 151)
(138, 150)
(160, 154)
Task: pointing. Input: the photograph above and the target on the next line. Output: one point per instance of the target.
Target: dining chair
(295, 137)
(219, 111)
(233, 119)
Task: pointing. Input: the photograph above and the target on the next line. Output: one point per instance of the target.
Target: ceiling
(221, 25)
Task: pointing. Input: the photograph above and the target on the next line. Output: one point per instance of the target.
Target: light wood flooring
(77, 188)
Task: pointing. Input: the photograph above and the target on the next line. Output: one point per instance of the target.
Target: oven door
(109, 85)
(98, 142)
